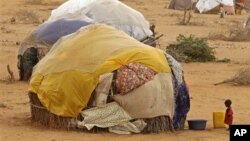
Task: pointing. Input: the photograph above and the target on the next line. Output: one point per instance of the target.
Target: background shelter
(110, 12)
(181, 4)
(41, 39)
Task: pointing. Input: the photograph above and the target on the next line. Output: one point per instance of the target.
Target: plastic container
(197, 124)
(218, 119)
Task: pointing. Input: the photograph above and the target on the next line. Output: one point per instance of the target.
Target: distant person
(222, 11)
(229, 113)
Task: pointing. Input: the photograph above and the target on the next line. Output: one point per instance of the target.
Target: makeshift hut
(186, 6)
(93, 79)
(38, 43)
(181, 4)
(110, 12)
(214, 6)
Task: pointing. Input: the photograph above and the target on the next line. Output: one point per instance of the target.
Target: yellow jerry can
(218, 119)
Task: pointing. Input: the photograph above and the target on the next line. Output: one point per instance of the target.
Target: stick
(159, 37)
(189, 16)
(222, 82)
(144, 39)
(184, 17)
(11, 73)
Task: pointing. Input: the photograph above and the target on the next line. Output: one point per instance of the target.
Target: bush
(192, 49)
(28, 16)
(236, 34)
(239, 34)
(242, 78)
(34, 2)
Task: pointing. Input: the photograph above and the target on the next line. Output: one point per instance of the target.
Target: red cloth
(240, 1)
(229, 116)
(229, 9)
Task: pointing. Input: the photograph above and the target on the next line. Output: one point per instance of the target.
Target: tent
(49, 32)
(181, 4)
(110, 12)
(40, 40)
(95, 77)
(207, 5)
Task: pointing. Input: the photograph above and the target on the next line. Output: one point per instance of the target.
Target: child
(229, 113)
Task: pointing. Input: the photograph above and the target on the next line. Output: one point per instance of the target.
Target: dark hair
(228, 102)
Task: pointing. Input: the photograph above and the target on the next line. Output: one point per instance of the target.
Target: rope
(39, 107)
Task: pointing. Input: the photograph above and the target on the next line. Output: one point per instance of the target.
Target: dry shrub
(34, 2)
(236, 34)
(6, 30)
(217, 36)
(192, 23)
(196, 23)
(28, 16)
(9, 79)
(247, 4)
(242, 78)
(42, 2)
(52, 3)
(239, 34)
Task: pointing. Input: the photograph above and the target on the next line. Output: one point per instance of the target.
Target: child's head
(228, 103)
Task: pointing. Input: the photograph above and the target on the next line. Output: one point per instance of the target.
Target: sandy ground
(14, 104)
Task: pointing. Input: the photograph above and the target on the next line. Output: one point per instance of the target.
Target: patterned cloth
(132, 76)
(181, 93)
(108, 115)
(176, 68)
(128, 128)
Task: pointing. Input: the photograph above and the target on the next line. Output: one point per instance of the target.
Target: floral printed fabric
(132, 76)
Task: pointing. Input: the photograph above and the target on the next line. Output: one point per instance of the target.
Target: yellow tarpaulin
(65, 78)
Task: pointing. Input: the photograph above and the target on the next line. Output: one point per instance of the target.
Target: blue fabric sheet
(182, 101)
(49, 33)
(181, 93)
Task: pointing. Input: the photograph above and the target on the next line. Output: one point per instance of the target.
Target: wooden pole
(10, 73)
